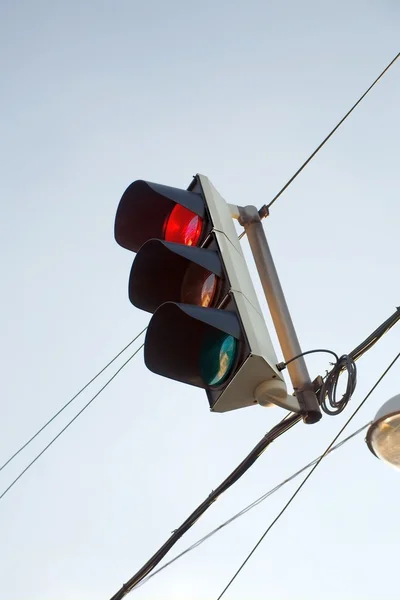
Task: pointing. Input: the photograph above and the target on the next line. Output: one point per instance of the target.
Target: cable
(308, 475)
(283, 365)
(70, 401)
(327, 395)
(264, 210)
(69, 423)
(346, 363)
(286, 424)
(360, 349)
(375, 335)
(275, 198)
(327, 388)
(247, 508)
(327, 392)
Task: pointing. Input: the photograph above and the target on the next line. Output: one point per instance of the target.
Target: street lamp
(383, 436)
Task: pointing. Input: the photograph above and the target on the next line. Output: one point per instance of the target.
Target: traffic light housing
(207, 328)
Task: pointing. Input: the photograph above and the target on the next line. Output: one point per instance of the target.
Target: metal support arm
(300, 378)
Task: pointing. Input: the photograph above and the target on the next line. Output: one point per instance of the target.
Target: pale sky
(96, 95)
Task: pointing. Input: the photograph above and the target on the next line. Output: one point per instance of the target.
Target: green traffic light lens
(217, 357)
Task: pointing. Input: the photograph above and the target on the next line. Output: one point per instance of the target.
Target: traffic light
(207, 328)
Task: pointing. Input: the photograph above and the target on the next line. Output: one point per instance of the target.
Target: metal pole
(298, 372)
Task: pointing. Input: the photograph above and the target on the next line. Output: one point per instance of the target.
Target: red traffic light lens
(199, 286)
(183, 226)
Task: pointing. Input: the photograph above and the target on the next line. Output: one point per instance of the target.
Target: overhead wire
(275, 198)
(261, 210)
(339, 406)
(247, 508)
(264, 210)
(144, 572)
(347, 363)
(327, 392)
(68, 424)
(39, 431)
(375, 335)
(287, 423)
(296, 492)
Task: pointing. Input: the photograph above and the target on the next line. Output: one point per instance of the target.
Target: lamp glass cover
(385, 439)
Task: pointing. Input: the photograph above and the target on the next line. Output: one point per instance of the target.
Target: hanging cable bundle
(328, 392)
